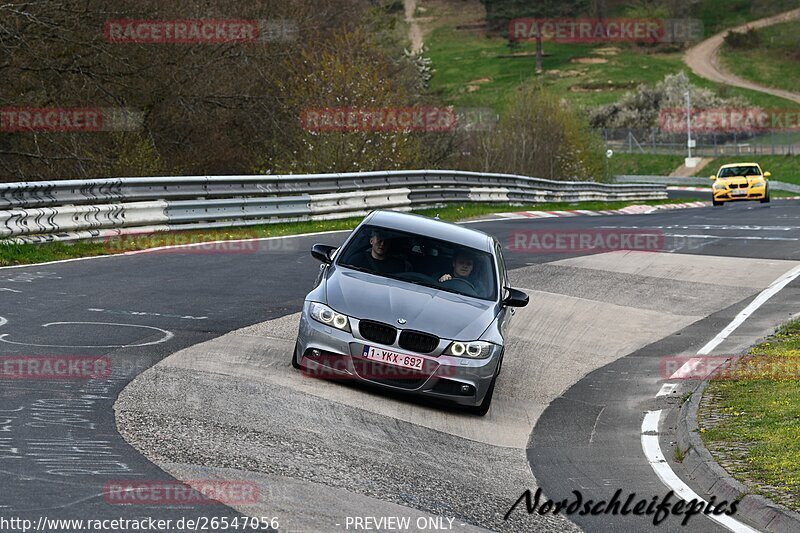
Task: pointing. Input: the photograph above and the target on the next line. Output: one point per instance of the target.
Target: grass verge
(27, 254)
(750, 418)
(644, 164)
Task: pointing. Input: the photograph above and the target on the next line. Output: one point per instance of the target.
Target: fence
(674, 180)
(92, 209)
(655, 141)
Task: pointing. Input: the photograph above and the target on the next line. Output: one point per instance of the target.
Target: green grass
(26, 254)
(720, 14)
(760, 404)
(774, 63)
(785, 168)
(644, 164)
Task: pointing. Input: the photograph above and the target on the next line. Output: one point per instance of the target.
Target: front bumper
(327, 352)
(737, 194)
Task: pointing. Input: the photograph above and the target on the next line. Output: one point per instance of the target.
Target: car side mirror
(767, 174)
(322, 252)
(713, 177)
(515, 298)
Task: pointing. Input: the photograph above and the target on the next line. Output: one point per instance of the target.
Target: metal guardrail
(676, 180)
(91, 209)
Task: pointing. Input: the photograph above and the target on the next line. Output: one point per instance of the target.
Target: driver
(463, 263)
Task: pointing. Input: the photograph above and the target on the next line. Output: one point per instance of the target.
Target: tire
(295, 364)
(483, 408)
(765, 200)
(716, 203)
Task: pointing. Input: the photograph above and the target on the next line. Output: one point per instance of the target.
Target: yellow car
(740, 181)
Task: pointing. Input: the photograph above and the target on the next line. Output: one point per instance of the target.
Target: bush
(540, 136)
(743, 40)
(643, 107)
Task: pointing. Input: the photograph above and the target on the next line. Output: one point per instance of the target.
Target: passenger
(378, 258)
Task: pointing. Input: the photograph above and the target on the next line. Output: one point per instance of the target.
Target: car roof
(739, 165)
(430, 227)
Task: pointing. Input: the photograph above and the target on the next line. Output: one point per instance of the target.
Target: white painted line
(3, 321)
(652, 450)
(650, 422)
(732, 238)
(167, 336)
(765, 295)
(9, 290)
(667, 389)
(594, 428)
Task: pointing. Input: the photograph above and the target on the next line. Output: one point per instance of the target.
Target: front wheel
(765, 200)
(483, 408)
(715, 203)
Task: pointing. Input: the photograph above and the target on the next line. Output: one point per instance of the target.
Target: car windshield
(744, 170)
(421, 260)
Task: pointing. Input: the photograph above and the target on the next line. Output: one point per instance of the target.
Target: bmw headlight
(472, 350)
(719, 186)
(329, 317)
(757, 184)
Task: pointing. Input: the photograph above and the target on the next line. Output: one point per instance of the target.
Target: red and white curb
(708, 189)
(682, 188)
(629, 210)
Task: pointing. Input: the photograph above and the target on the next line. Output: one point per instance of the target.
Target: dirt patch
(521, 54)
(588, 60)
(481, 80)
(472, 88)
(564, 73)
(610, 51)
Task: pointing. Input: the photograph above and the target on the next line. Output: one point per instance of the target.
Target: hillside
(473, 68)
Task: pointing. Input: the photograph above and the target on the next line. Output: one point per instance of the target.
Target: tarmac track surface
(223, 402)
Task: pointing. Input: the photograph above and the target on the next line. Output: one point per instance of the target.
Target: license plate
(393, 358)
(740, 192)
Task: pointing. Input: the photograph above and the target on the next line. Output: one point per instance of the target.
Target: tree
(212, 108)
(503, 11)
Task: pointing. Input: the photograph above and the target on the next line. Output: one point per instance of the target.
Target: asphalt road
(583, 378)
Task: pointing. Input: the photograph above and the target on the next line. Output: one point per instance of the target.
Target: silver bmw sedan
(411, 304)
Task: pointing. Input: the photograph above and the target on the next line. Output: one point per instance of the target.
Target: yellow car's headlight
(719, 186)
(757, 184)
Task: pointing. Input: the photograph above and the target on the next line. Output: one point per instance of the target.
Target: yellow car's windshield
(744, 170)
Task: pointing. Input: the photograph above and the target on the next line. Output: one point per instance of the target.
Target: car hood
(741, 179)
(445, 314)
